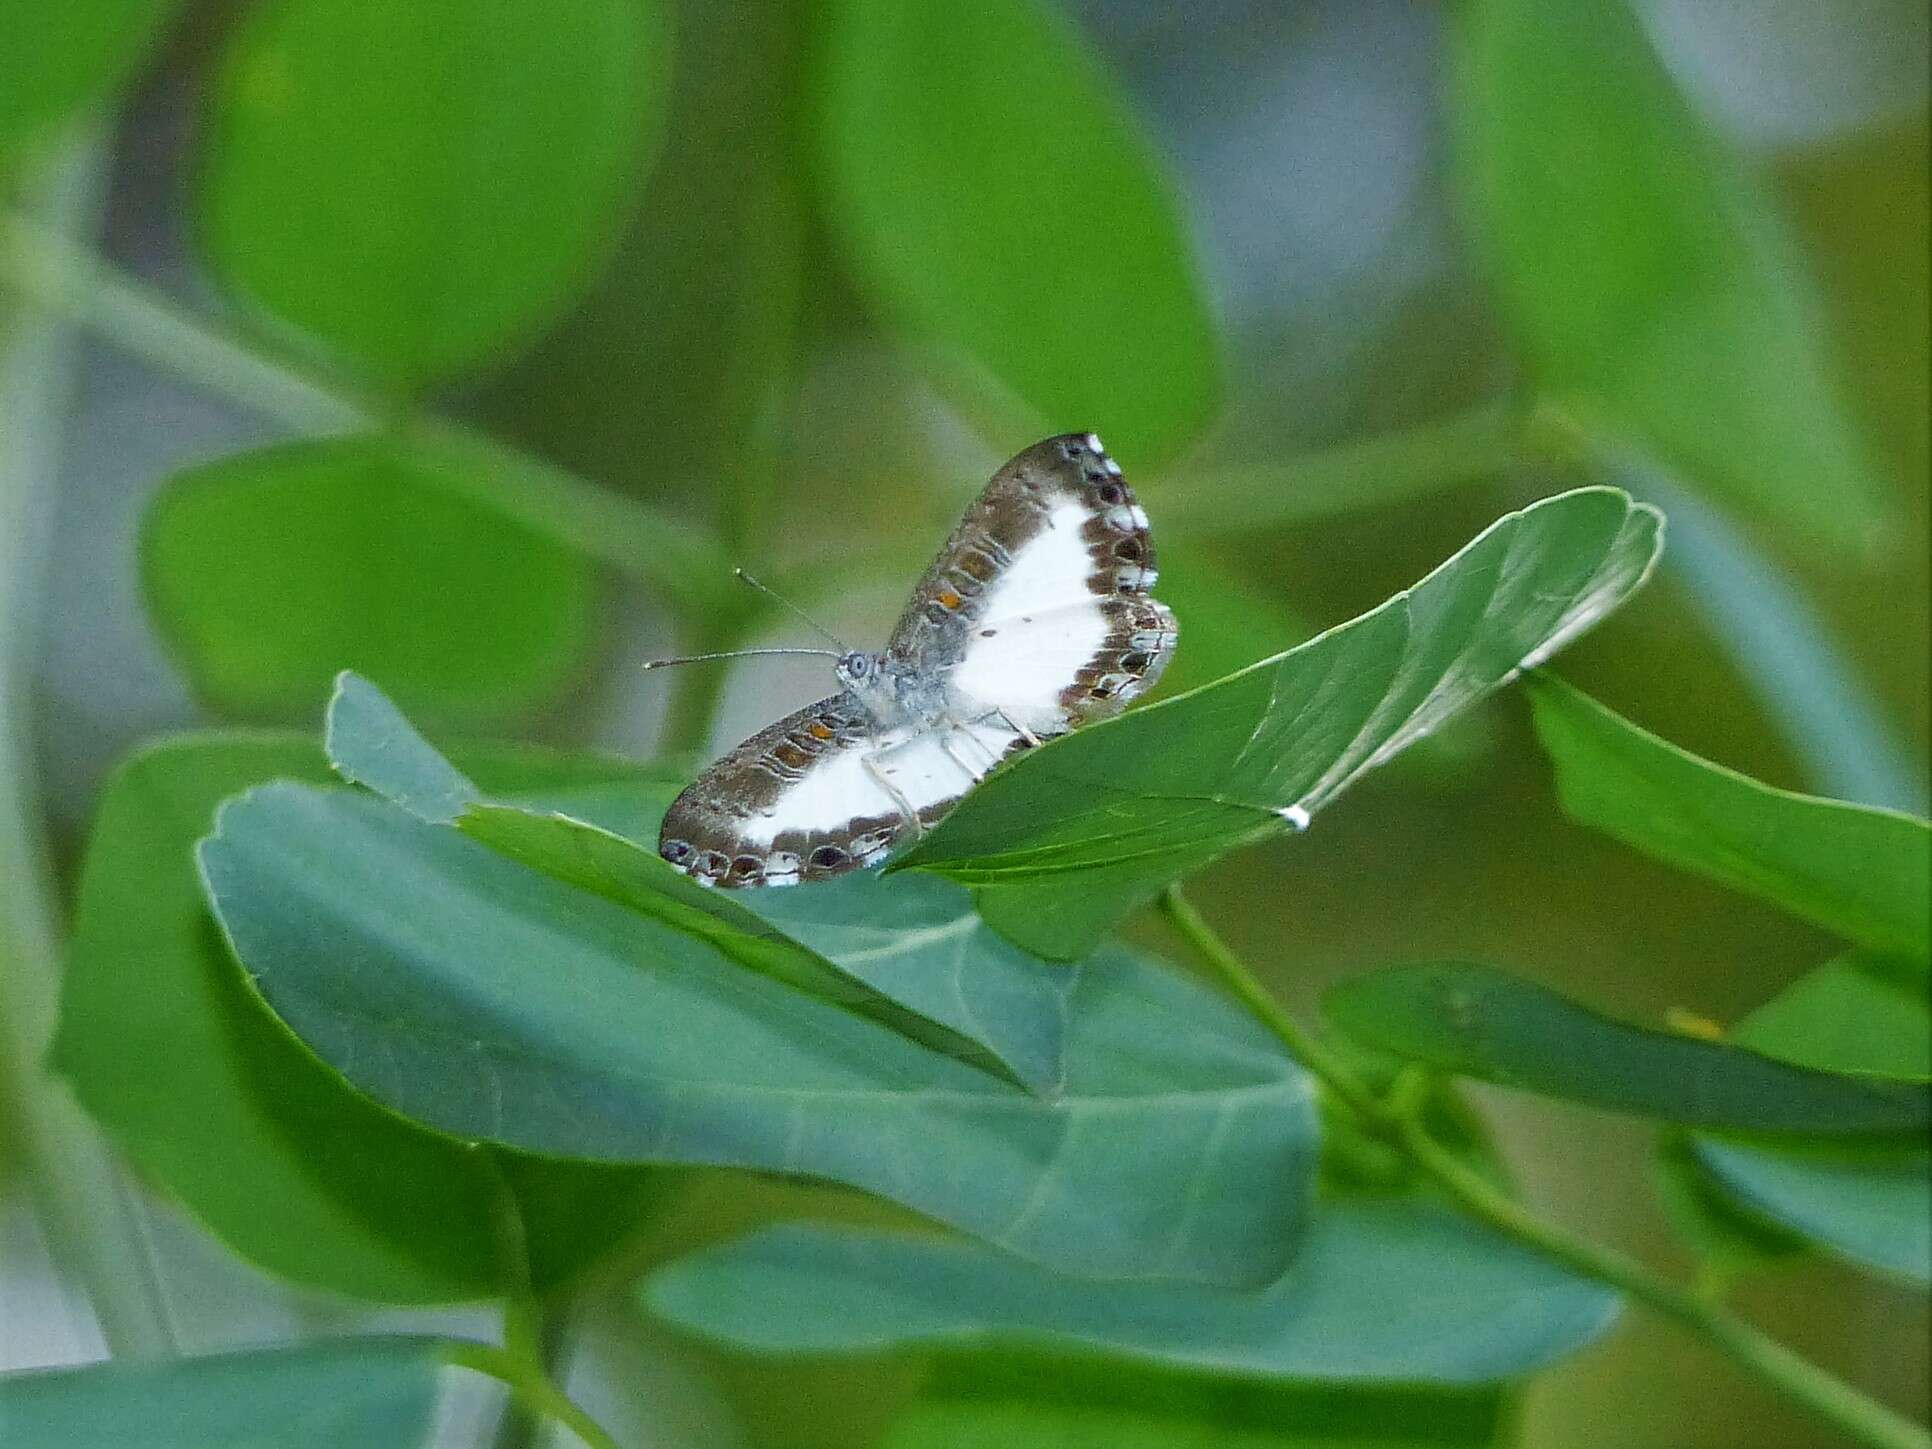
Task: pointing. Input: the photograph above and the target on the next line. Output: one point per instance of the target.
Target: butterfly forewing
(1033, 619)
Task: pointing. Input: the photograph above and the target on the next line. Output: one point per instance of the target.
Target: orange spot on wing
(819, 731)
(949, 599)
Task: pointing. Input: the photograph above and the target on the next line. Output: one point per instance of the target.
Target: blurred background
(774, 283)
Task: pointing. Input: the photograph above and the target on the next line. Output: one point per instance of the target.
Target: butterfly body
(1033, 620)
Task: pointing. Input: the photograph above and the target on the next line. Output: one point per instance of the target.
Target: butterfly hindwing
(820, 793)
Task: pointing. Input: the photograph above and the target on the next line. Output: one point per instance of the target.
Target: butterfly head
(889, 688)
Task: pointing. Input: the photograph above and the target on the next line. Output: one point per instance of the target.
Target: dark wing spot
(1130, 549)
(678, 852)
(987, 633)
(747, 866)
(1112, 493)
(1136, 662)
(714, 863)
(828, 857)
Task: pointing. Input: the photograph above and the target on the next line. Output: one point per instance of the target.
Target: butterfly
(1033, 620)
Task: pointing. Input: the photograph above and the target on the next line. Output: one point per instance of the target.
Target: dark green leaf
(1382, 1290)
(1069, 838)
(1479, 1022)
(968, 996)
(267, 1149)
(1862, 872)
(364, 1391)
(57, 59)
(419, 186)
(1649, 281)
(1873, 1206)
(997, 196)
(1024, 1401)
(270, 571)
(496, 1003)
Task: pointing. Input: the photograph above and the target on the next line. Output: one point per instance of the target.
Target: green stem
(532, 1388)
(1463, 448)
(1399, 1119)
(675, 555)
(86, 1207)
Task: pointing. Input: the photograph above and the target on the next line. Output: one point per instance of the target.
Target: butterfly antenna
(733, 654)
(768, 590)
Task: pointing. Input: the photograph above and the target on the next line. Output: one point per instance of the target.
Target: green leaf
(267, 1149)
(1382, 1290)
(376, 1391)
(1648, 280)
(1862, 872)
(1855, 1014)
(59, 59)
(1018, 1401)
(1873, 1206)
(1479, 1022)
(270, 571)
(919, 963)
(996, 195)
(1067, 839)
(497, 1004)
(420, 186)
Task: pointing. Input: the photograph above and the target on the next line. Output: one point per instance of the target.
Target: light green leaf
(1647, 278)
(497, 1004)
(996, 195)
(1862, 872)
(419, 186)
(1383, 1290)
(59, 59)
(1873, 1206)
(270, 571)
(268, 1150)
(374, 1391)
(1479, 1022)
(1067, 839)
(1855, 1014)
(1025, 1401)
(939, 978)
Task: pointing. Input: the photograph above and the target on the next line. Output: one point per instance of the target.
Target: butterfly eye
(857, 665)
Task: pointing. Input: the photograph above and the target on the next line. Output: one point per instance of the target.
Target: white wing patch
(906, 769)
(1041, 623)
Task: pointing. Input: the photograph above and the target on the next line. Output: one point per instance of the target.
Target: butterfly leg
(1032, 740)
(878, 774)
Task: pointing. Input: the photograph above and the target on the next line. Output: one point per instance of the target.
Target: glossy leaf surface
(1382, 1290)
(917, 961)
(498, 1004)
